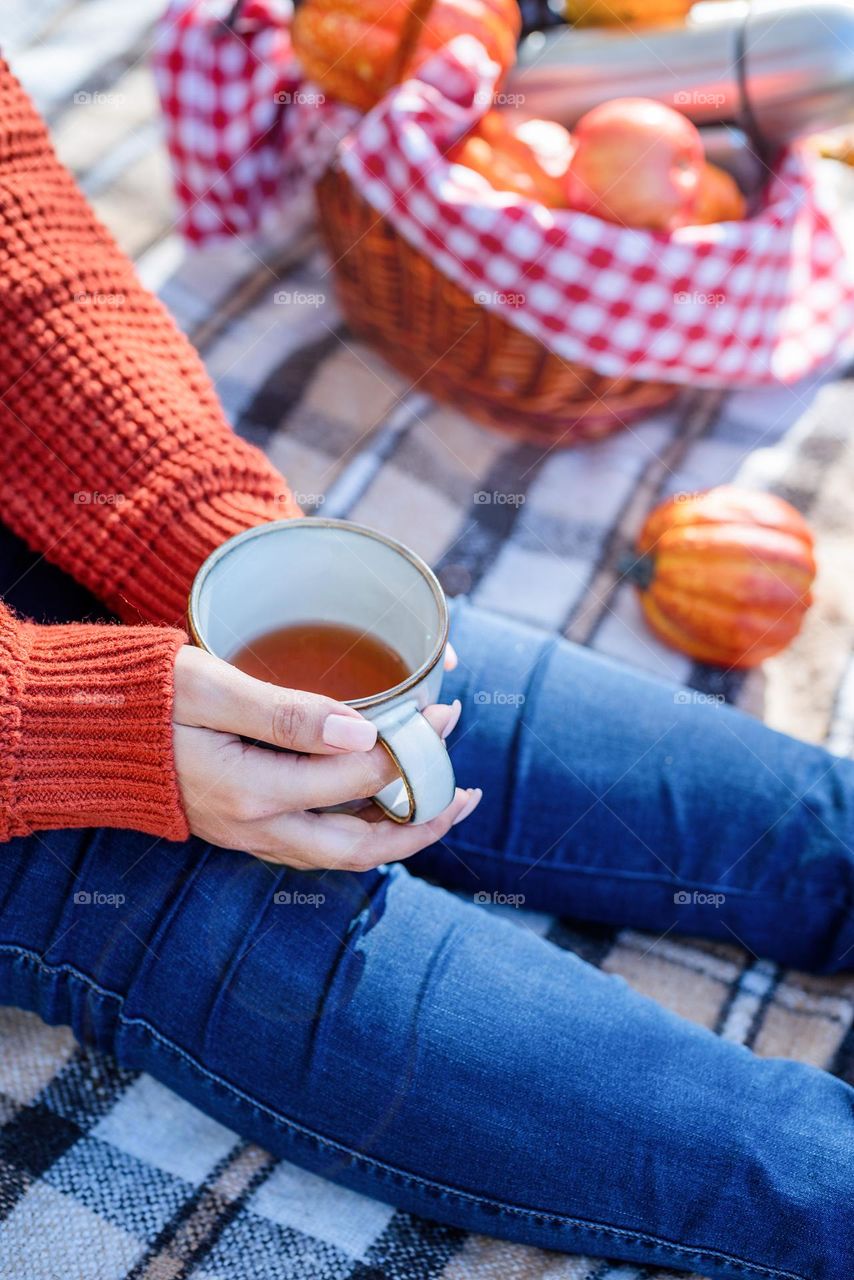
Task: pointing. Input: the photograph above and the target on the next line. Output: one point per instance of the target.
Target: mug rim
(349, 526)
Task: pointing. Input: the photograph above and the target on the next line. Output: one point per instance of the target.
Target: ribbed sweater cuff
(94, 739)
(159, 585)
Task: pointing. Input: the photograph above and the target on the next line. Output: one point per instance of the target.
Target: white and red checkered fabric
(740, 303)
(750, 302)
(241, 127)
(223, 88)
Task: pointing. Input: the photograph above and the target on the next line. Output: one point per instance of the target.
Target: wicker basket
(449, 345)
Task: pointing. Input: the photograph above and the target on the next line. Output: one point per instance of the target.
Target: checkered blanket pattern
(105, 1174)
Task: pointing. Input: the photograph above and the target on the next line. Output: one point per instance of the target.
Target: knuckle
(384, 767)
(370, 775)
(362, 855)
(290, 720)
(243, 809)
(271, 846)
(302, 783)
(239, 803)
(358, 865)
(279, 854)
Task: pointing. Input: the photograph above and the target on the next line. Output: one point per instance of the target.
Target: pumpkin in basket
(528, 157)
(631, 13)
(357, 49)
(725, 576)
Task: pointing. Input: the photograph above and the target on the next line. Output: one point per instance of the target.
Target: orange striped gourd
(725, 575)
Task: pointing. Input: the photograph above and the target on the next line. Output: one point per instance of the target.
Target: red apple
(636, 162)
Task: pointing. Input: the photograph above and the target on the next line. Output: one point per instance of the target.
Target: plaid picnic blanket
(104, 1173)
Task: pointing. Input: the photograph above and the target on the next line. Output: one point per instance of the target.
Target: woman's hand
(244, 797)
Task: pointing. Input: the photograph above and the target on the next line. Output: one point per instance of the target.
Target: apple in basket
(720, 199)
(638, 163)
(528, 157)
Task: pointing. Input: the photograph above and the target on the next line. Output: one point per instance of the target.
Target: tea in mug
(323, 657)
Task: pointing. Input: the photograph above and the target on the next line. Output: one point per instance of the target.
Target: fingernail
(350, 732)
(469, 806)
(456, 708)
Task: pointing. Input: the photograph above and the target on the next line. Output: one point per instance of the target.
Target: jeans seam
(688, 1253)
(836, 898)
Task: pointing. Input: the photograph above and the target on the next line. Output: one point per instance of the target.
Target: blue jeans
(384, 1033)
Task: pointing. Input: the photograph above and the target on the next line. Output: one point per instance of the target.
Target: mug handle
(426, 785)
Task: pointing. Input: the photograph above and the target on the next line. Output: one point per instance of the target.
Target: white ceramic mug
(317, 570)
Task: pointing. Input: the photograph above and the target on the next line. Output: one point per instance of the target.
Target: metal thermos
(775, 68)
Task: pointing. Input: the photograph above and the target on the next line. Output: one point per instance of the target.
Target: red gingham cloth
(241, 127)
(741, 303)
(737, 303)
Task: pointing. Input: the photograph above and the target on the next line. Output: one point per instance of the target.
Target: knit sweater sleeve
(116, 460)
(85, 728)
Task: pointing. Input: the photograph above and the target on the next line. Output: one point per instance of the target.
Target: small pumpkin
(357, 49)
(528, 157)
(632, 13)
(719, 198)
(725, 576)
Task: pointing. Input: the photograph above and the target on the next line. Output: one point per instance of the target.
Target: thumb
(212, 694)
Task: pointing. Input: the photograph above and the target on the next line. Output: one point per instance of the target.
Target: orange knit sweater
(119, 466)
